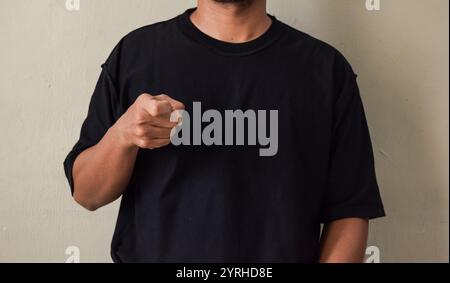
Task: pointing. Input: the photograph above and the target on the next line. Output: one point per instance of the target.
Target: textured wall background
(50, 60)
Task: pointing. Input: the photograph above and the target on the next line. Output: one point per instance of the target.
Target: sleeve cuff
(363, 211)
(68, 165)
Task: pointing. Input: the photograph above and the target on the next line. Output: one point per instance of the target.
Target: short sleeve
(104, 110)
(352, 189)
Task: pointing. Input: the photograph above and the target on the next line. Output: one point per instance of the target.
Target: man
(218, 203)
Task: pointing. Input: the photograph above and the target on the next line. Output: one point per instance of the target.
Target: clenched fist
(146, 124)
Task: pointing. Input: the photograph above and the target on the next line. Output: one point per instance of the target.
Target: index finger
(175, 104)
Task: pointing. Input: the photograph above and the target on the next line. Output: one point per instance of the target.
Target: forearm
(344, 241)
(102, 172)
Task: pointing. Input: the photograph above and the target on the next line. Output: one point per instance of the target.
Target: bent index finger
(163, 123)
(176, 105)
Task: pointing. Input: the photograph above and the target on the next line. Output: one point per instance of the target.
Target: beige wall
(49, 63)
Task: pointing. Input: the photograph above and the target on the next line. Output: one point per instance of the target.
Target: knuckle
(163, 96)
(144, 98)
(141, 98)
(140, 132)
(140, 117)
(143, 143)
(157, 108)
(154, 108)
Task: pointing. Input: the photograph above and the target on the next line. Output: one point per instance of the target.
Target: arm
(344, 241)
(102, 172)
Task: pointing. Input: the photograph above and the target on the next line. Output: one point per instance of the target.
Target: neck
(232, 22)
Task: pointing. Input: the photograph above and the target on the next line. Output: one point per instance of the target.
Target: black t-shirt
(218, 203)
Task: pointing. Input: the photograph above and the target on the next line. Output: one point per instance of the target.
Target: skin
(102, 172)
(344, 241)
(232, 22)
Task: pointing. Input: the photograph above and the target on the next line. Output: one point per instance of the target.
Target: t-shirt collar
(226, 48)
